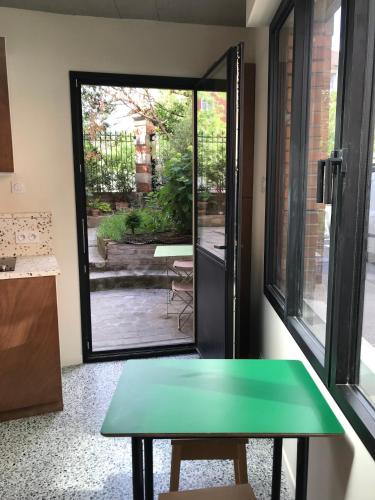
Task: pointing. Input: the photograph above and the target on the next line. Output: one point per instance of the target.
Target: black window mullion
(351, 191)
(297, 177)
(364, 181)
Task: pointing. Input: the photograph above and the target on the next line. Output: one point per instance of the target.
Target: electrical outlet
(18, 187)
(27, 237)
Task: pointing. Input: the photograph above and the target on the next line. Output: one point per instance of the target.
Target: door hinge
(85, 268)
(88, 344)
(76, 83)
(80, 168)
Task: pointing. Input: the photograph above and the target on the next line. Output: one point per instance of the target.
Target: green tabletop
(173, 251)
(217, 398)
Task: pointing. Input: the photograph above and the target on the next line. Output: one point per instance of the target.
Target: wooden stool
(239, 492)
(209, 449)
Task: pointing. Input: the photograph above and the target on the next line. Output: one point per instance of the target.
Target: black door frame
(77, 79)
(231, 264)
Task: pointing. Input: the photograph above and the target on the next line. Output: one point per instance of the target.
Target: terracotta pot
(202, 207)
(95, 212)
(121, 205)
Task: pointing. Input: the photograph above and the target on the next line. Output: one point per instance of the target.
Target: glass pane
(212, 161)
(321, 141)
(284, 100)
(367, 366)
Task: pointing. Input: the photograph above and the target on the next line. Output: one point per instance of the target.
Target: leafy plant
(97, 204)
(133, 220)
(175, 197)
(204, 196)
(155, 221)
(105, 207)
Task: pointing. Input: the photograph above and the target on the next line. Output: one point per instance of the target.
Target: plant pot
(202, 207)
(121, 205)
(95, 212)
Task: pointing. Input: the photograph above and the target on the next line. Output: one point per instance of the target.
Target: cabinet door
(30, 372)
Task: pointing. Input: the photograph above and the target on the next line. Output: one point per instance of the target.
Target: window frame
(337, 362)
(271, 290)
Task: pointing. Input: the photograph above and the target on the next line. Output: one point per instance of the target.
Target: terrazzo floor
(63, 455)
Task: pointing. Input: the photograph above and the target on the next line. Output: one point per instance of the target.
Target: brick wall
(318, 138)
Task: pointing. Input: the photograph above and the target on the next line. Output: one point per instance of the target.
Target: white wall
(41, 50)
(340, 468)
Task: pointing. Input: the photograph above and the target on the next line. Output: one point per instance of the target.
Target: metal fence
(212, 162)
(110, 161)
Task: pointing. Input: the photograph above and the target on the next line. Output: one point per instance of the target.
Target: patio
(128, 318)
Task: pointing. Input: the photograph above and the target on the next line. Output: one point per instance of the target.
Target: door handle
(324, 179)
(220, 247)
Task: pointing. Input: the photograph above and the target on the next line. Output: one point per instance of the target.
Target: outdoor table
(168, 252)
(186, 398)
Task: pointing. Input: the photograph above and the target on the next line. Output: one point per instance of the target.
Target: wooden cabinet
(30, 373)
(6, 150)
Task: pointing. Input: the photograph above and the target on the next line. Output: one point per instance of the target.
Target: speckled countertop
(33, 266)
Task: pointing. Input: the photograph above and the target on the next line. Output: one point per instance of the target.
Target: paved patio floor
(129, 317)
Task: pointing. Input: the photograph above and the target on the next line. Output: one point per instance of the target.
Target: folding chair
(183, 291)
(184, 268)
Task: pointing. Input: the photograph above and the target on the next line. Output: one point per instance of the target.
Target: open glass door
(217, 163)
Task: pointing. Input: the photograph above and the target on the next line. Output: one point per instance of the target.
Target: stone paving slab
(127, 317)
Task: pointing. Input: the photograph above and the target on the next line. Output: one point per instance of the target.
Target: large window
(367, 363)
(283, 75)
(323, 80)
(320, 235)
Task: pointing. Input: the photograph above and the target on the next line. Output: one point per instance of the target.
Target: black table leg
(276, 468)
(149, 474)
(302, 468)
(137, 463)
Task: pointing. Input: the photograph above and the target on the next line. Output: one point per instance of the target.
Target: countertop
(33, 266)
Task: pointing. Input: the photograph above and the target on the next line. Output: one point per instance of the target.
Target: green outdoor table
(184, 398)
(173, 251)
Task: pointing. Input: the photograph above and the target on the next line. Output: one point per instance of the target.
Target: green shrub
(113, 227)
(175, 197)
(155, 221)
(140, 221)
(133, 220)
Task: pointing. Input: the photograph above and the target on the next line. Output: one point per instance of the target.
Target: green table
(218, 398)
(167, 251)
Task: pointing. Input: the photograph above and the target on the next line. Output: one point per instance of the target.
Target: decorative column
(143, 175)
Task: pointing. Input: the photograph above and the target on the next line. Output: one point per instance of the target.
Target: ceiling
(214, 12)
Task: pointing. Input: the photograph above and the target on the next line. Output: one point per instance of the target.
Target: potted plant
(96, 207)
(121, 205)
(203, 197)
